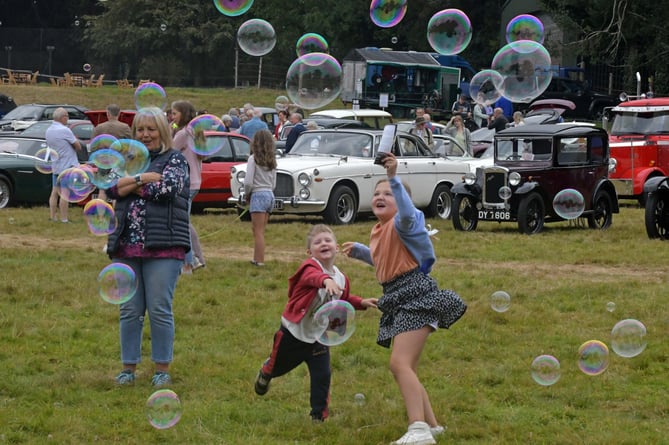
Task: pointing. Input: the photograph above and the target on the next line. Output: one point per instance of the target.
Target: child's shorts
(262, 202)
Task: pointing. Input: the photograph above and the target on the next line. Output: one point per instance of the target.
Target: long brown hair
(187, 111)
(262, 149)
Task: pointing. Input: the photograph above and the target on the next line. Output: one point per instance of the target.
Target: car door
(416, 168)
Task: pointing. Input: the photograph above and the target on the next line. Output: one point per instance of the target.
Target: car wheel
(531, 214)
(464, 214)
(657, 216)
(5, 192)
(441, 203)
(342, 207)
(602, 212)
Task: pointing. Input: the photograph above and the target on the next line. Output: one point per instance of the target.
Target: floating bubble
(11, 220)
(449, 31)
(525, 27)
(311, 43)
(393, 40)
(500, 301)
(75, 184)
(256, 37)
(150, 94)
(525, 67)
(628, 338)
(593, 357)
(233, 8)
(110, 165)
(610, 306)
(483, 87)
(206, 146)
(545, 370)
(359, 399)
(387, 13)
(47, 156)
(100, 218)
(100, 142)
(569, 204)
(117, 283)
(87, 67)
(281, 103)
(314, 80)
(337, 318)
(163, 409)
(163, 27)
(135, 156)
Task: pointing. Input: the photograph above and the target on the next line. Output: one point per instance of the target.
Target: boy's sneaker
(161, 378)
(418, 434)
(126, 377)
(262, 383)
(437, 430)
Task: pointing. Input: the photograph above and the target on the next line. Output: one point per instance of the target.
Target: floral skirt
(412, 301)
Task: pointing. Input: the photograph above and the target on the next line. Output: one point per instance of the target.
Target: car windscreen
(640, 123)
(37, 130)
(524, 149)
(337, 144)
(21, 146)
(24, 113)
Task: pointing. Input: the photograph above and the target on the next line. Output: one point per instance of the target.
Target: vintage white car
(332, 173)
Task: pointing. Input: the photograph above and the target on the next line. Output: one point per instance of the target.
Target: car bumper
(290, 205)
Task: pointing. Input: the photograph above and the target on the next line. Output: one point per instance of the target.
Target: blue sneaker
(161, 378)
(126, 377)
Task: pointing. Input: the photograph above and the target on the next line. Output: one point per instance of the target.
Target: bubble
(163, 27)
(163, 409)
(233, 8)
(117, 283)
(47, 156)
(387, 13)
(135, 156)
(393, 40)
(525, 27)
(256, 37)
(100, 218)
(483, 87)
(628, 338)
(569, 204)
(593, 357)
(150, 94)
(87, 67)
(449, 31)
(337, 318)
(100, 142)
(311, 43)
(610, 306)
(525, 67)
(75, 184)
(359, 399)
(500, 301)
(545, 370)
(110, 166)
(281, 103)
(11, 220)
(314, 80)
(206, 146)
(77, 23)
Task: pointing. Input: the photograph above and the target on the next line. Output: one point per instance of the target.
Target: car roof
(346, 113)
(564, 130)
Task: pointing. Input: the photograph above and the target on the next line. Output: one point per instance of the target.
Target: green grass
(60, 348)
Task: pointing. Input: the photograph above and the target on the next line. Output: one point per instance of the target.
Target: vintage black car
(533, 164)
(656, 191)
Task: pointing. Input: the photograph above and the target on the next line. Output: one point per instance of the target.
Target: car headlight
(514, 178)
(240, 176)
(304, 179)
(470, 178)
(305, 193)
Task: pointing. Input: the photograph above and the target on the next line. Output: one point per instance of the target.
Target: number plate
(278, 204)
(495, 215)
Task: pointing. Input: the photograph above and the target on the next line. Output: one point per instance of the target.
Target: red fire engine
(639, 142)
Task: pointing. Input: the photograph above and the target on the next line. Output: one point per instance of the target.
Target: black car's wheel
(342, 207)
(5, 192)
(602, 211)
(531, 214)
(464, 215)
(657, 216)
(441, 202)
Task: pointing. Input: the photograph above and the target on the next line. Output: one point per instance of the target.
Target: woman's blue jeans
(156, 279)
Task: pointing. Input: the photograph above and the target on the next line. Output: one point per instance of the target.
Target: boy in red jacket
(316, 282)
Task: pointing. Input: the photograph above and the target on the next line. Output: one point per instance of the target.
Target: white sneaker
(418, 434)
(437, 430)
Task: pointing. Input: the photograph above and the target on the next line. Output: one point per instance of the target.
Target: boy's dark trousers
(289, 352)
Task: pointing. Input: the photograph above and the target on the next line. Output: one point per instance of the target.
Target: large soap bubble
(525, 67)
(525, 27)
(569, 203)
(110, 165)
(387, 13)
(118, 283)
(150, 94)
(545, 370)
(483, 88)
(338, 320)
(314, 80)
(136, 157)
(311, 43)
(75, 184)
(449, 31)
(256, 37)
(628, 338)
(233, 8)
(593, 357)
(163, 409)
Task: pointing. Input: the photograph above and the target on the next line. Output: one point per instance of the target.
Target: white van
(373, 118)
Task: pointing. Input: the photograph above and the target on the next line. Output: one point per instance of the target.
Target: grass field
(60, 347)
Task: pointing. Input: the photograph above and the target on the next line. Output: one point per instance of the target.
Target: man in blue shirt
(250, 127)
(298, 128)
